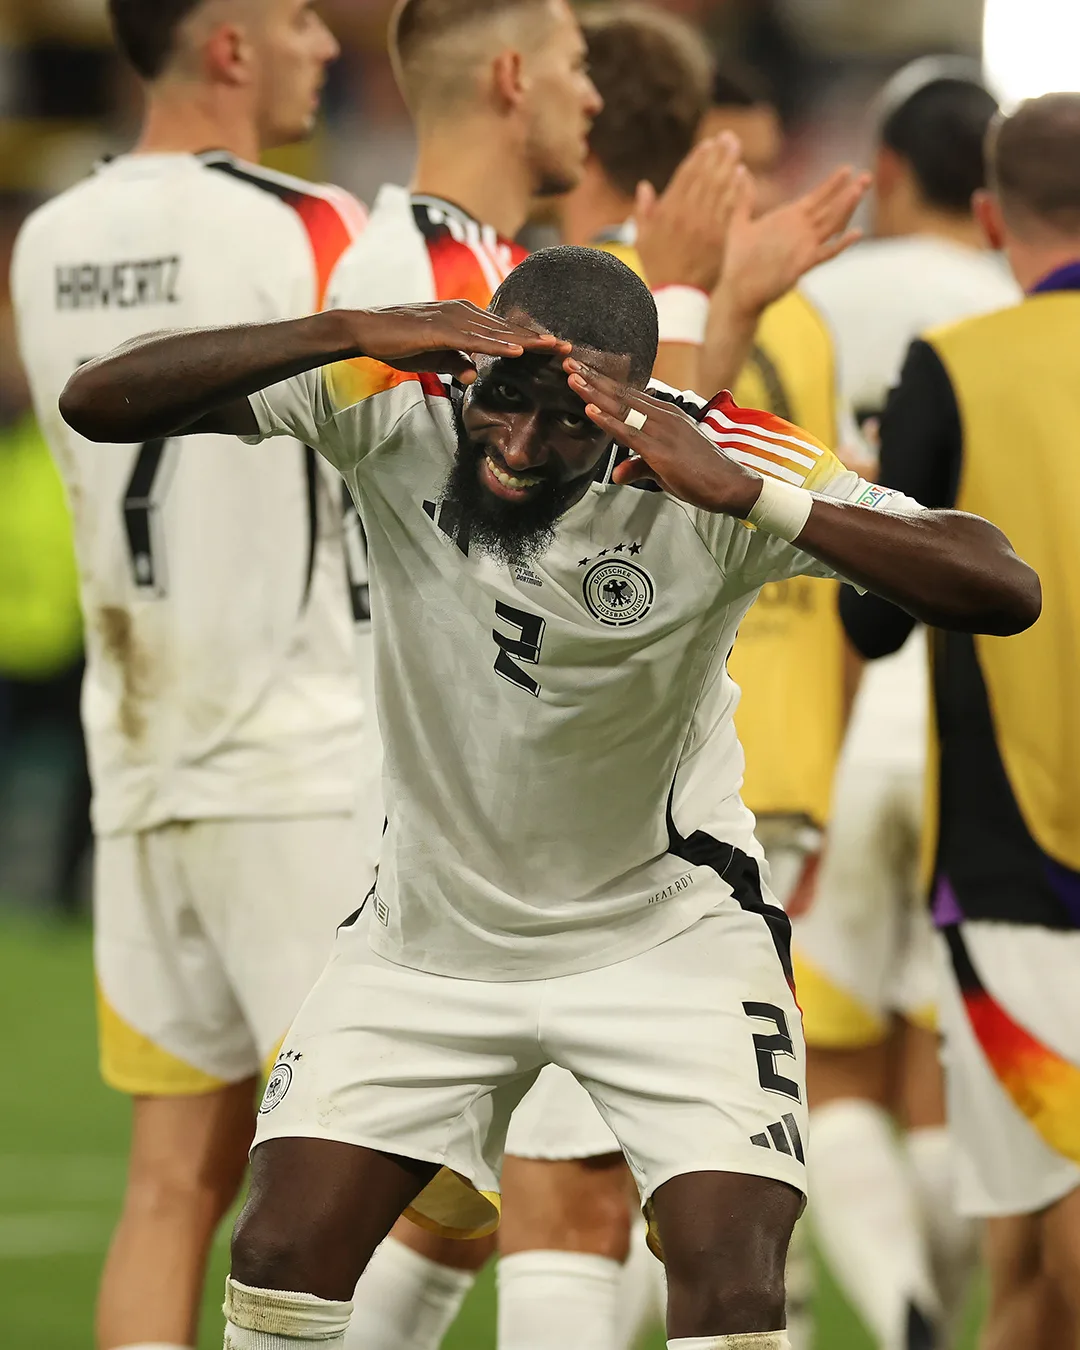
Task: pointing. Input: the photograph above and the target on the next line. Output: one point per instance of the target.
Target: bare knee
(580, 1205)
(725, 1240)
(725, 1293)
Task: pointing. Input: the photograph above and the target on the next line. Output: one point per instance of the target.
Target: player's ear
(508, 79)
(227, 55)
(987, 211)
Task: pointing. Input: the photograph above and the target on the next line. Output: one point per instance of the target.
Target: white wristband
(781, 509)
(681, 314)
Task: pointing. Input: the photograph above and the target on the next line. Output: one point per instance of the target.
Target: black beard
(510, 532)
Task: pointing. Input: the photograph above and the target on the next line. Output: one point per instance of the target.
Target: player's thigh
(1061, 1247)
(392, 1059)
(724, 1238)
(574, 1205)
(693, 1051)
(188, 1154)
(316, 1211)
(169, 1022)
(273, 893)
(1004, 1165)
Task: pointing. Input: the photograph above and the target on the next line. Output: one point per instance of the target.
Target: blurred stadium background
(65, 100)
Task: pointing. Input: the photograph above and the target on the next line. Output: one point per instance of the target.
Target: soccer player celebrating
(985, 417)
(221, 702)
(567, 874)
(883, 1202)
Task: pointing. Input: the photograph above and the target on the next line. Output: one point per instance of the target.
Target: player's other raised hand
(767, 254)
(682, 233)
(445, 337)
(669, 447)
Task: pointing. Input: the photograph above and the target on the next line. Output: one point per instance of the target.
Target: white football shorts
(557, 1119)
(865, 948)
(208, 935)
(692, 1053)
(1012, 1066)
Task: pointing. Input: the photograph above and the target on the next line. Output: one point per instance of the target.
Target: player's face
(526, 452)
(294, 49)
(562, 103)
(762, 139)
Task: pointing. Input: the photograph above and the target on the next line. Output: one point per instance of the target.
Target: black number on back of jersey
(770, 1048)
(356, 558)
(524, 647)
(142, 502)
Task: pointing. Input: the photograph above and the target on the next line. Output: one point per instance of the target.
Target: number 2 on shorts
(769, 1048)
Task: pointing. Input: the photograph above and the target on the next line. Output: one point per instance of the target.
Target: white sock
(748, 1340)
(799, 1286)
(867, 1220)
(954, 1239)
(272, 1319)
(551, 1300)
(405, 1301)
(641, 1305)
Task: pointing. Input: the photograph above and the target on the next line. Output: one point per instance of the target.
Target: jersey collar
(1066, 278)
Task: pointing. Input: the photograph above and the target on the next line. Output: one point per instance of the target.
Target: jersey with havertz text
(556, 734)
(219, 678)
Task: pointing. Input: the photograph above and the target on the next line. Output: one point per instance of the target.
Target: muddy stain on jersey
(114, 624)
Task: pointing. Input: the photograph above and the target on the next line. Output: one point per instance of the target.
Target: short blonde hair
(436, 44)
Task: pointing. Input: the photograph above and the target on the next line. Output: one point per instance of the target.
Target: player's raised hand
(670, 448)
(445, 337)
(766, 255)
(681, 234)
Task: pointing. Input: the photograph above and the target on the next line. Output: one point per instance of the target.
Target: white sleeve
(346, 411)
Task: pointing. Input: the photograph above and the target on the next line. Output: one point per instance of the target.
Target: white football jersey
(219, 679)
(877, 298)
(881, 295)
(561, 770)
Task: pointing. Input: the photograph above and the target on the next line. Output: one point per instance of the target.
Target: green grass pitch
(62, 1142)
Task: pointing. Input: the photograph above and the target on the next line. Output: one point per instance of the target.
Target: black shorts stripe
(742, 874)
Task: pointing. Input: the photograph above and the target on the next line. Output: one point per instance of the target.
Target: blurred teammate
(986, 417)
(883, 1205)
(552, 888)
(741, 104)
(502, 104)
(221, 702)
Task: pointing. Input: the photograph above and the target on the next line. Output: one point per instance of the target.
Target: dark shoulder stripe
(331, 217)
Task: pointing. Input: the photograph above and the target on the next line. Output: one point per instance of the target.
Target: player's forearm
(729, 340)
(948, 569)
(678, 364)
(161, 383)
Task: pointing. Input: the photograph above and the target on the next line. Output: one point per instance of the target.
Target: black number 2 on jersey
(524, 647)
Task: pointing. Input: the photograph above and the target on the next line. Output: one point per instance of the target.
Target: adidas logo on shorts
(783, 1135)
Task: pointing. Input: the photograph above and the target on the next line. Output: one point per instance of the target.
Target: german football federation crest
(617, 592)
(277, 1085)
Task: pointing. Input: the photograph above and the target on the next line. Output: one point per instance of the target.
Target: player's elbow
(1019, 602)
(89, 408)
(80, 407)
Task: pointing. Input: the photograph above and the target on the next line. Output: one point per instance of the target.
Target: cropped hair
(654, 73)
(589, 298)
